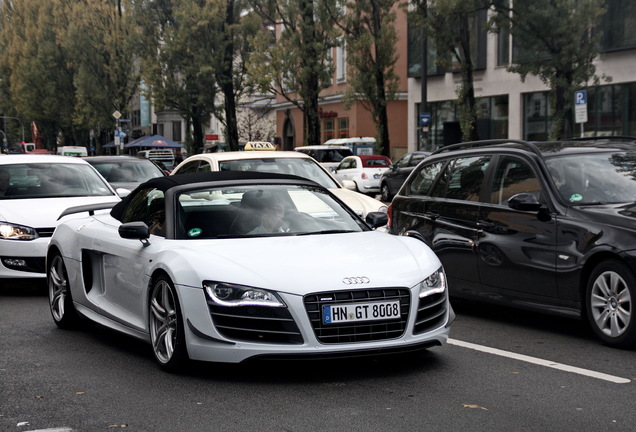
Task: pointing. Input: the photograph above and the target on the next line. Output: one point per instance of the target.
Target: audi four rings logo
(356, 280)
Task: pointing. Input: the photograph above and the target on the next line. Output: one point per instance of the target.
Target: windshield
(264, 210)
(595, 178)
(127, 171)
(302, 167)
(50, 180)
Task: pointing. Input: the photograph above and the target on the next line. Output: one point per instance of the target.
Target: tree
(37, 74)
(176, 58)
(370, 40)
(296, 63)
(556, 40)
(101, 39)
(452, 25)
(233, 50)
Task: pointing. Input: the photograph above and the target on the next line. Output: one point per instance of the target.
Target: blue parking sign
(580, 97)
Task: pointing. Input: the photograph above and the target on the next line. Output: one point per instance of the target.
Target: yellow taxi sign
(259, 145)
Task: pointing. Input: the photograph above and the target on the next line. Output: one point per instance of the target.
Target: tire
(385, 192)
(167, 333)
(610, 295)
(60, 300)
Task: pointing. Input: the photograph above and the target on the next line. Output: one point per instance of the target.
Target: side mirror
(349, 184)
(524, 202)
(134, 230)
(376, 219)
(123, 192)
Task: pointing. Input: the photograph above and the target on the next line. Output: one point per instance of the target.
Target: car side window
(416, 159)
(462, 179)
(147, 206)
(204, 166)
(403, 161)
(189, 167)
(514, 176)
(422, 180)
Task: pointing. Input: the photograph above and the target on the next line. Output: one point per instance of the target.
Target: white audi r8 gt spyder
(213, 267)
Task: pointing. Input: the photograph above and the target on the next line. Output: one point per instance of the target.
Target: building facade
(338, 122)
(510, 108)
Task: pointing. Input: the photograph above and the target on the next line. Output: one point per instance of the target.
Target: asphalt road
(502, 370)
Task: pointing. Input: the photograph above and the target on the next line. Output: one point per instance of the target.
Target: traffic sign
(117, 115)
(425, 119)
(580, 106)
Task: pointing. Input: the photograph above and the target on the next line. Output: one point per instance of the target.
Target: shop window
(343, 127)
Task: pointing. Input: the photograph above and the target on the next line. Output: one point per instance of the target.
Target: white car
(213, 267)
(364, 170)
(34, 191)
(284, 162)
(328, 156)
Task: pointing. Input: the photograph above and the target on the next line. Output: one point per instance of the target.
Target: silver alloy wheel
(611, 304)
(163, 321)
(58, 288)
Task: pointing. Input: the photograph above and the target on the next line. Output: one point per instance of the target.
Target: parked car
(393, 178)
(328, 156)
(547, 226)
(126, 172)
(295, 163)
(180, 264)
(35, 190)
(364, 170)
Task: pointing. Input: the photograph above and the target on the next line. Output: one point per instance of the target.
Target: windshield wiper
(332, 231)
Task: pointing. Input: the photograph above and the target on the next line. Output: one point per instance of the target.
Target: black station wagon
(543, 225)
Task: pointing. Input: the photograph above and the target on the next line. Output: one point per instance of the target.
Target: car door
(346, 169)
(453, 211)
(517, 249)
(123, 280)
(442, 203)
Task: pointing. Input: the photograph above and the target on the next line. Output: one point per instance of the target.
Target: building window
(618, 25)
(343, 127)
(341, 62)
(328, 129)
(176, 131)
(160, 129)
(537, 116)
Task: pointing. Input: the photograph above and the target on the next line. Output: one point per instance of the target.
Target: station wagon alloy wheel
(166, 328)
(610, 306)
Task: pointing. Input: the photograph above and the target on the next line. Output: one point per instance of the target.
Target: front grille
(431, 313)
(45, 232)
(255, 324)
(358, 331)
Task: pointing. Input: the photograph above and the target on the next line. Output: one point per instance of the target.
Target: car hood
(43, 212)
(359, 203)
(301, 264)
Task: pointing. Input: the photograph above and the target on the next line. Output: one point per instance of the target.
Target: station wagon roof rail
(533, 148)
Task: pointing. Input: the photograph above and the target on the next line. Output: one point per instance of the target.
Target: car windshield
(264, 210)
(127, 171)
(302, 167)
(50, 180)
(595, 178)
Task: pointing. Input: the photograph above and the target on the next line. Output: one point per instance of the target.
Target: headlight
(231, 295)
(10, 231)
(434, 284)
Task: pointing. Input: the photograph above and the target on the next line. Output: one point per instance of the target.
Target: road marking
(62, 429)
(540, 362)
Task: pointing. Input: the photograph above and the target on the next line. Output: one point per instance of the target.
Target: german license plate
(356, 312)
